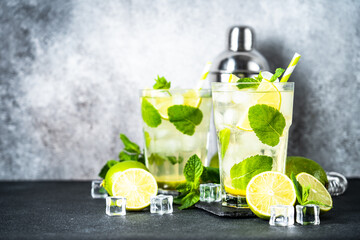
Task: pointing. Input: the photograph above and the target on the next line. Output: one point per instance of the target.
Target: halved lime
(267, 189)
(317, 190)
(131, 179)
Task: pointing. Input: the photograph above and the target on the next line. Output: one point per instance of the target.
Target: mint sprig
(302, 193)
(194, 173)
(267, 122)
(185, 118)
(254, 82)
(150, 115)
(161, 83)
(131, 152)
(242, 172)
(277, 74)
(106, 167)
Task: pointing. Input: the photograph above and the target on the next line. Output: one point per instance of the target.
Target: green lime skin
(117, 168)
(300, 164)
(214, 162)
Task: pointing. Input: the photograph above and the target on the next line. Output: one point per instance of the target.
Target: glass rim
(176, 90)
(250, 83)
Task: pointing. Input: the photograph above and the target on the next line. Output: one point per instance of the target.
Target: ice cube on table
(281, 215)
(116, 206)
(308, 214)
(161, 204)
(210, 192)
(337, 183)
(97, 191)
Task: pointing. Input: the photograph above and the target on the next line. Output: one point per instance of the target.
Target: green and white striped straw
(204, 75)
(291, 67)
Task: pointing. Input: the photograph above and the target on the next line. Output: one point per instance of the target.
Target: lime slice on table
(267, 189)
(266, 93)
(317, 190)
(164, 100)
(131, 179)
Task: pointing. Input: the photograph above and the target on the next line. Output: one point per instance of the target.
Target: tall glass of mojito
(252, 121)
(175, 126)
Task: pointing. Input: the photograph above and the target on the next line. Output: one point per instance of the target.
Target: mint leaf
(277, 74)
(157, 159)
(183, 187)
(124, 156)
(305, 193)
(242, 172)
(267, 122)
(193, 169)
(243, 80)
(185, 118)
(161, 83)
(210, 174)
(172, 159)
(189, 200)
(224, 138)
(141, 158)
(147, 139)
(150, 115)
(106, 168)
(130, 146)
(298, 188)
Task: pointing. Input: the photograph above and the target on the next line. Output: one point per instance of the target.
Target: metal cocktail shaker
(240, 58)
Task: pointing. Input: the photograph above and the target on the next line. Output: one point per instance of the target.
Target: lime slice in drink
(267, 189)
(131, 179)
(192, 98)
(231, 190)
(163, 100)
(317, 190)
(266, 93)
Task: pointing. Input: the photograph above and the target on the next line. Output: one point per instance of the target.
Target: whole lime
(300, 164)
(117, 168)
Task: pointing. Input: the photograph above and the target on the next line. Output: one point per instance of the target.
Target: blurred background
(70, 73)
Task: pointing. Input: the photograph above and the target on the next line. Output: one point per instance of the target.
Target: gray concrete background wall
(70, 73)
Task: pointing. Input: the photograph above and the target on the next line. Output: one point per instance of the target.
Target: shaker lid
(241, 38)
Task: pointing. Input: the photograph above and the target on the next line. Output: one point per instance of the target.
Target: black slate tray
(221, 211)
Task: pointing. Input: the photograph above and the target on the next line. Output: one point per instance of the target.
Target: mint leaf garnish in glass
(242, 172)
(277, 74)
(224, 138)
(267, 122)
(150, 115)
(185, 118)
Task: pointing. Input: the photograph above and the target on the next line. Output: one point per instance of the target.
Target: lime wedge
(317, 190)
(266, 93)
(267, 189)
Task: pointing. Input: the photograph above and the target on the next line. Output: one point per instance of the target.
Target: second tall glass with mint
(252, 121)
(175, 126)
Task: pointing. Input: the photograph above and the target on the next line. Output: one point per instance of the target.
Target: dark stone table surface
(65, 210)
